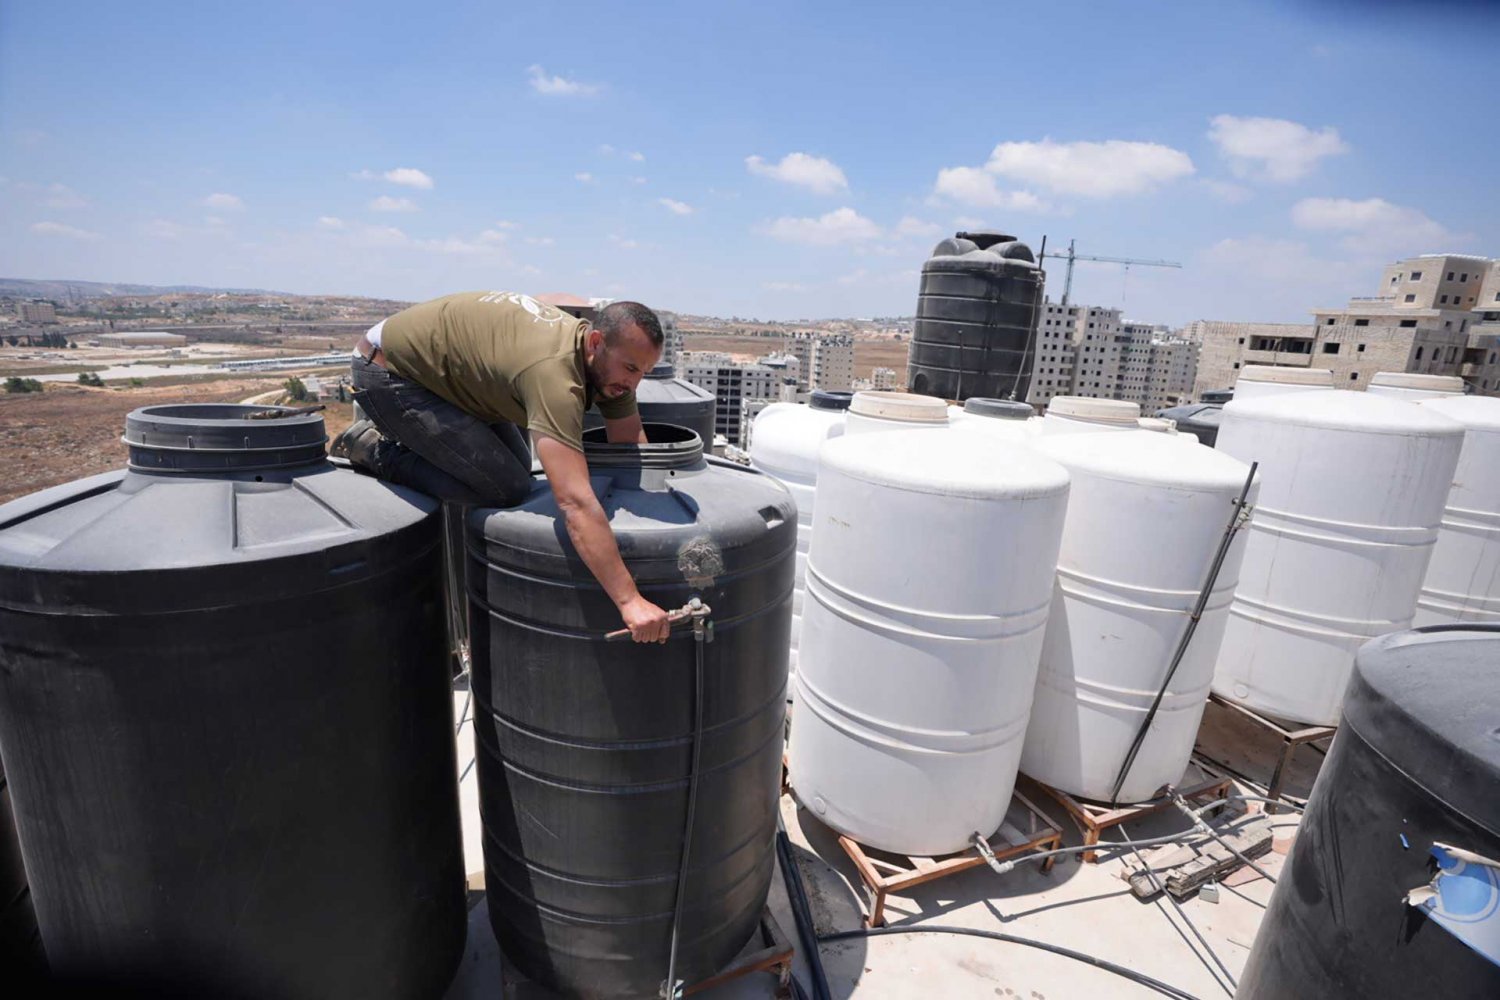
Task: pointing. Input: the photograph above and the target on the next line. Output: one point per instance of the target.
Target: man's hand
(646, 621)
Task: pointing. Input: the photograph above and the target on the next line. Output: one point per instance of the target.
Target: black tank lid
(828, 399)
(1427, 700)
(668, 446)
(985, 238)
(1005, 409)
(222, 437)
(662, 370)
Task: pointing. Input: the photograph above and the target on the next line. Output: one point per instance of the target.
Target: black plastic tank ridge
(20, 942)
(226, 718)
(662, 398)
(1370, 905)
(584, 746)
(976, 312)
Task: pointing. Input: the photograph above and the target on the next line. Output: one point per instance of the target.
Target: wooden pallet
(1026, 828)
(1094, 818)
(1291, 739)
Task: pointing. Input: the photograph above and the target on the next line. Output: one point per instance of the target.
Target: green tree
(296, 390)
(17, 384)
(90, 378)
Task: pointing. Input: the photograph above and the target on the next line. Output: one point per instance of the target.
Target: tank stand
(1093, 819)
(774, 956)
(1026, 828)
(1291, 739)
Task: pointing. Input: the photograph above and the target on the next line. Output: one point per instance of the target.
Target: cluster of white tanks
(987, 590)
(950, 580)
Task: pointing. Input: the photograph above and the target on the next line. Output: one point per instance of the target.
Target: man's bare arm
(568, 475)
(626, 430)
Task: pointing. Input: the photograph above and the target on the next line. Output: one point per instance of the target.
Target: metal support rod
(1237, 519)
(671, 989)
(1202, 824)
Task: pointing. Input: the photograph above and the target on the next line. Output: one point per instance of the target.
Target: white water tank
(927, 593)
(1463, 579)
(1084, 414)
(1352, 491)
(1256, 381)
(879, 410)
(1146, 514)
(1007, 419)
(784, 445)
(1412, 387)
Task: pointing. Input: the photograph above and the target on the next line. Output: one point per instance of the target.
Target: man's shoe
(356, 443)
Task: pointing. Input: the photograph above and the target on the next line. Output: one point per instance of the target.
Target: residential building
(1157, 368)
(1481, 368)
(827, 360)
(885, 379)
(731, 383)
(1077, 352)
(38, 312)
(671, 337)
(1052, 367)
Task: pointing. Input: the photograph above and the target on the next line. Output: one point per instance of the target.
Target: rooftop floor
(1086, 907)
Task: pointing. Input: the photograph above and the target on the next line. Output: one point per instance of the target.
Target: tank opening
(829, 399)
(226, 438)
(668, 446)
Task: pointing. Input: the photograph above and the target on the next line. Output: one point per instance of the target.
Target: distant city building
(672, 337)
(1077, 353)
(38, 312)
(1428, 317)
(827, 359)
(1157, 368)
(142, 338)
(731, 383)
(885, 379)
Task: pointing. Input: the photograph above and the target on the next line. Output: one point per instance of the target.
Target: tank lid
(1215, 395)
(1427, 700)
(951, 465)
(222, 437)
(1282, 375)
(1160, 425)
(1004, 409)
(828, 399)
(668, 446)
(1475, 412)
(1099, 411)
(1144, 457)
(1194, 414)
(905, 406)
(661, 370)
(1341, 409)
(1451, 384)
(985, 238)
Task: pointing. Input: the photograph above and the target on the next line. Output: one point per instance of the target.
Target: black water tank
(1416, 762)
(584, 746)
(976, 311)
(226, 717)
(830, 399)
(1216, 396)
(1198, 419)
(662, 398)
(20, 943)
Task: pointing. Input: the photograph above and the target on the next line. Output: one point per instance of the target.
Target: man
(450, 385)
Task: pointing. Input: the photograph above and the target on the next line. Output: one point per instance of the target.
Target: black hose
(1187, 634)
(1165, 989)
(670, 990)
(802, 915)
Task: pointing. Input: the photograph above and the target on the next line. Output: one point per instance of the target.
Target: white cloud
(380, 236)
(584, 177)
(1090, 169)
(607, 149)
(458, 246)
(623, 243)
(1273, 148)
(409, 177)
(214, 220)
(67, 232)
(675, 207)
(976, 187)
(812, 172)
(843, 225)
(330, 222)
(364, 175)
(223, 202)
(912, 226)
(853, 277)
(62, 196)
(637, 180)
(636, 156)
(1233, 273)
(541, 241)
(784, 286)
(1373, 225)
(559, 86)
(507, 224)
(385, 203)
(1226, 190)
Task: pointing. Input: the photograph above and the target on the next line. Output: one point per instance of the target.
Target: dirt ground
(69, 432)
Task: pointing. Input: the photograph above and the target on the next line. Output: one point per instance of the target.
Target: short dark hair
(615, 317)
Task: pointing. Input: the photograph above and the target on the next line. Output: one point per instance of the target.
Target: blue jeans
(435, 447)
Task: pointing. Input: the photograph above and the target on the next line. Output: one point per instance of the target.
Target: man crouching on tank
(451, 387)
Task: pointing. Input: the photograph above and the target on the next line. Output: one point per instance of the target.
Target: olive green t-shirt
(500, 356)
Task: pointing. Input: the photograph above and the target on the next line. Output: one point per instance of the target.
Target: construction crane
(1070, 256)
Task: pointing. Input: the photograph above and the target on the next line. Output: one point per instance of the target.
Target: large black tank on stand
(976, 311)
(226, 718)
(584, 746)
(663, 398)
(1416, 763)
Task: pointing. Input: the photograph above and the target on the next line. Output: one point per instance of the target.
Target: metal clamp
(694, 611)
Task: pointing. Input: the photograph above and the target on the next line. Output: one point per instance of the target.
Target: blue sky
(778, 160)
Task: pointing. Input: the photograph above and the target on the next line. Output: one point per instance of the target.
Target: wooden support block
(1183, 869)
